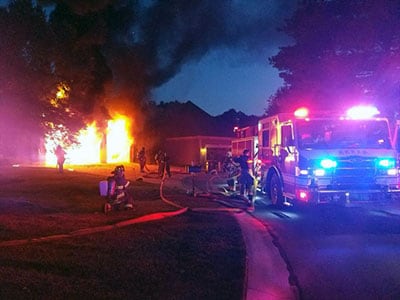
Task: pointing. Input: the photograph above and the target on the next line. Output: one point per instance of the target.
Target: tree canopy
(26, 79)
(54, 70)
(343, 53)
(67, 62)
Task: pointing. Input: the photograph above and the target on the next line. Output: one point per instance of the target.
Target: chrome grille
(355, 171)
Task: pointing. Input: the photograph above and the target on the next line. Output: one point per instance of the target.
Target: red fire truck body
(326, 158)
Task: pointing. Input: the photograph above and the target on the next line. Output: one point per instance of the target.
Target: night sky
(221, 81)
(235, 75)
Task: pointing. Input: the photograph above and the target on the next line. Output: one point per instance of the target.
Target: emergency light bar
(362, 112)
(301, 112)
(358, 112)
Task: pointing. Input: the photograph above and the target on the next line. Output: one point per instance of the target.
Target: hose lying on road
(163, 197)
(208, 194)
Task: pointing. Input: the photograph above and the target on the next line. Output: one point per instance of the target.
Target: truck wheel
(275, 190)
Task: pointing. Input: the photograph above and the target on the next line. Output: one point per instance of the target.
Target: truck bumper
(351, 195)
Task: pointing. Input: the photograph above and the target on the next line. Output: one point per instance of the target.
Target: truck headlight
(319, 172)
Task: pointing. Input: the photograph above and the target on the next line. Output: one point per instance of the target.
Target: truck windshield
(334, 134)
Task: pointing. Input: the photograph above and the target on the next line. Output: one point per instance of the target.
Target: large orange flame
(88, 148)
(118, 140)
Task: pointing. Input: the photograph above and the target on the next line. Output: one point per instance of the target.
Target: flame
(88, 148)
(118, 140)
(61, 96)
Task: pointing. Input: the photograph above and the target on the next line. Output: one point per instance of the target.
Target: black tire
(275, 190)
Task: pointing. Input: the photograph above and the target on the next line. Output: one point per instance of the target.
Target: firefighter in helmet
(246, 180)
(118, 194)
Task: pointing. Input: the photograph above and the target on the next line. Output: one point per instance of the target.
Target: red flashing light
(302, 195)
(301, 112)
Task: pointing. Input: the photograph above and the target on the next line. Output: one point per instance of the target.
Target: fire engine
(325, 158)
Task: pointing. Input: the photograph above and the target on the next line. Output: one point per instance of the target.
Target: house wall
(196, 150)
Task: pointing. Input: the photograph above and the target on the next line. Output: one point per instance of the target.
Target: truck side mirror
(289, 145)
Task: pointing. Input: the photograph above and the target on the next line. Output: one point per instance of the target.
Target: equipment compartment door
(287, 159)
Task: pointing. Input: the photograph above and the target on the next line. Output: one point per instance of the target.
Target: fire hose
(92, 230)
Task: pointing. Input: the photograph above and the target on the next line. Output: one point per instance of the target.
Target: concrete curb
(266, 273)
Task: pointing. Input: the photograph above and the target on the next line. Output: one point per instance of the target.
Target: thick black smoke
(149, 41)
(145, 43)
(176, 32)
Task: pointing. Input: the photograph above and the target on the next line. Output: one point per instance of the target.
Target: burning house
(93, 146)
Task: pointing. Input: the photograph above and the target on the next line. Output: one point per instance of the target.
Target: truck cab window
(265, 138)
(287, 138)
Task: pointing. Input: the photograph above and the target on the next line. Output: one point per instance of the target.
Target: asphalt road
(337, 252)
(331, 251)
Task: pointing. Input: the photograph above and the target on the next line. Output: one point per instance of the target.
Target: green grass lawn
(196, 255)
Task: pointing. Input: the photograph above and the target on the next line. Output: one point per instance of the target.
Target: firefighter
(167, 165)
(142, 159)
(60, 153)
(160, 160)
(246, 180)
(231, 169)
(118, 194)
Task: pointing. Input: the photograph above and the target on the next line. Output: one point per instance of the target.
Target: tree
(34, 97)
(26, 75)
(78, 58)
(343, 53)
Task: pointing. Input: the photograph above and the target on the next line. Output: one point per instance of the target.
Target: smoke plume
(149, 41)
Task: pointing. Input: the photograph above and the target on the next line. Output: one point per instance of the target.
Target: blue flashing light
(386, 163)
(328, 163)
